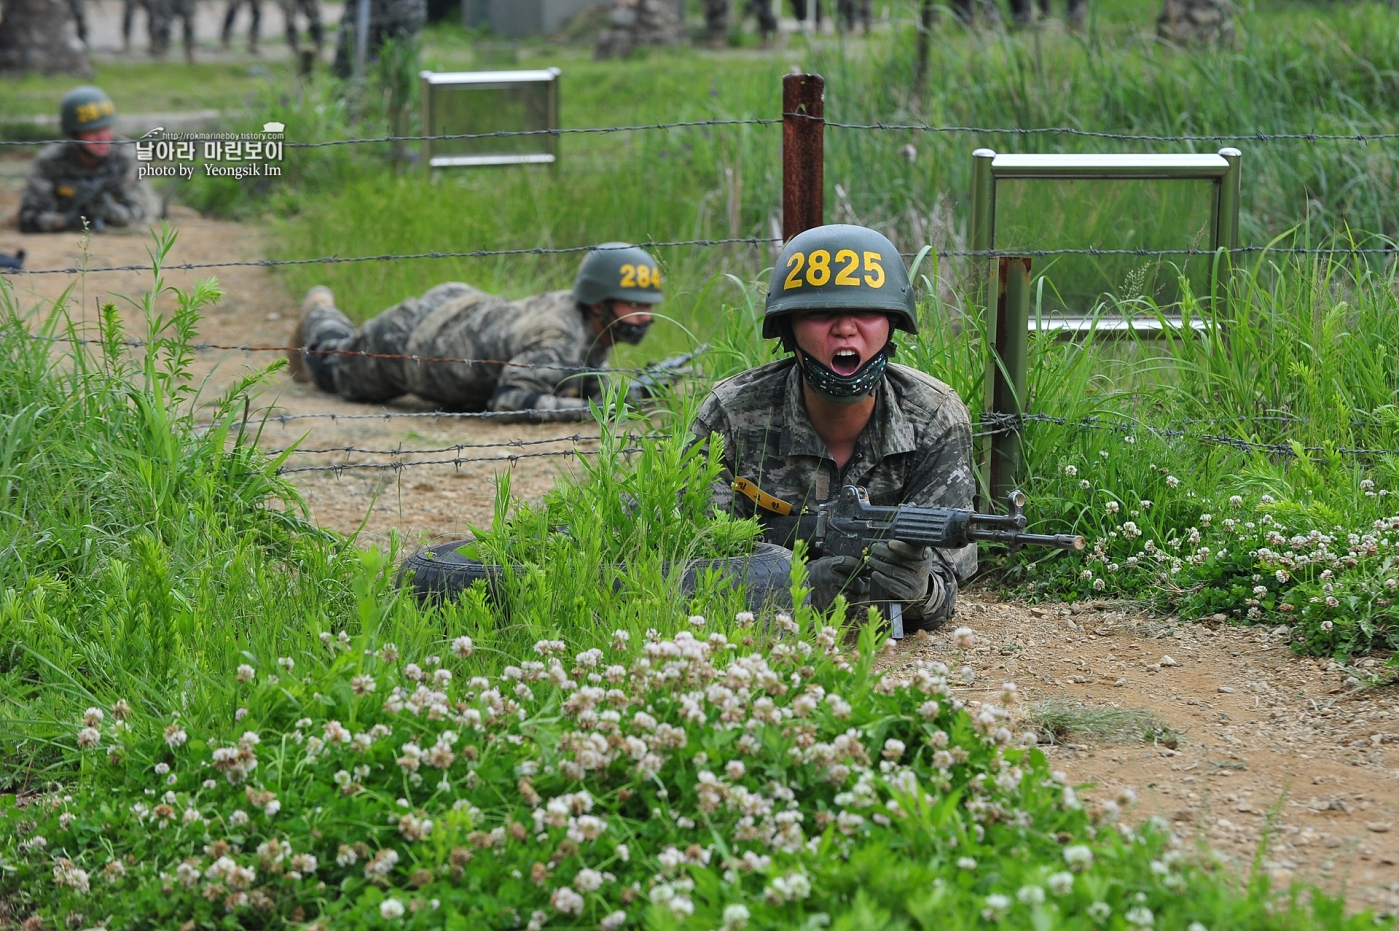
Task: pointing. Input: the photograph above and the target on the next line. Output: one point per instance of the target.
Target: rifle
(83, 197)
(664, 373)
(850, 525)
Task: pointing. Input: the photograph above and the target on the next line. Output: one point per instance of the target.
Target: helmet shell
(840, 267)
(618, 271)
(85, 109)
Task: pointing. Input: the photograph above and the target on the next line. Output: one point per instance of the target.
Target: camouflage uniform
(716, 19)
(916, 449)
(255, 9)
(548, 337)
(312, 10)
(58, 177)
(162, 15)
(402, 20)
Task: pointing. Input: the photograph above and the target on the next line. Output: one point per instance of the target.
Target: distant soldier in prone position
(540, 357)
(838, 413)
(87, 178)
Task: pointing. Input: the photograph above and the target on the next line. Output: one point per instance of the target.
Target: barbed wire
(458, 447)
(739, 240)
(996, 424)
(654, 369)
(457, 461)
(1100, 134)
(877, 126)
(386, 257)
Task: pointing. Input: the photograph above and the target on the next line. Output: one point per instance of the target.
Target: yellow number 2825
(818, 269)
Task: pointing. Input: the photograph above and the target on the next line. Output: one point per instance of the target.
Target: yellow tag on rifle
(761, 498)
(65, 191)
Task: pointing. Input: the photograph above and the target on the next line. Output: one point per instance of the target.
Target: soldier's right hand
(834, 575)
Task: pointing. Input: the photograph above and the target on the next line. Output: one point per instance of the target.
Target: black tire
(439, 573)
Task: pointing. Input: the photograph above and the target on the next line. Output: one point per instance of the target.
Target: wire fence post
(1008, 340)
(803, 153)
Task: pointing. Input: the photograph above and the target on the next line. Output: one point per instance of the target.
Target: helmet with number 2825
(839, 267)
(618, 271)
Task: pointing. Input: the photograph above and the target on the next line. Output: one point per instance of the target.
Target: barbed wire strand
(386, 257)
(742, 240)
(877, 126)
(458, 447)
(457, 461)
(657, 368)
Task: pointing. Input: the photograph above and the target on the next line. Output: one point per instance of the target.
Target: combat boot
(321, 326)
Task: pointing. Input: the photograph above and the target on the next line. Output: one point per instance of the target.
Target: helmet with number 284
(618, 271)
(840, 267)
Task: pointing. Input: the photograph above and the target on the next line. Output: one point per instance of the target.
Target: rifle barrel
(1063, 541)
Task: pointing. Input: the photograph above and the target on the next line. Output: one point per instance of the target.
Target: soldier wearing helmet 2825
(91, 179)
(540, 358)
(838, 412)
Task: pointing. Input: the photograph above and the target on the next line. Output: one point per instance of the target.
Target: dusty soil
(1266, 744)
(427, 503)
(1225, 732)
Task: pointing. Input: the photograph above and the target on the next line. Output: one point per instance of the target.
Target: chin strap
(845, 389)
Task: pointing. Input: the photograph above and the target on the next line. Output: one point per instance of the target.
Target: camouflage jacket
(60, 179)
(544, 340)
(916, 449)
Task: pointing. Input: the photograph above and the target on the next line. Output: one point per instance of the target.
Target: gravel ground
(1224, 731)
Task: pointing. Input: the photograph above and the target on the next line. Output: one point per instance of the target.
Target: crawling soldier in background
(837, 413)
(543, 354)
(87, 178)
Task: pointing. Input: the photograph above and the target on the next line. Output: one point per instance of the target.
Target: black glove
(901, 570)
(832, 575)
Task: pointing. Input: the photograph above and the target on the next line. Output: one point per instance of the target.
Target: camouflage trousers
(312, 11)
(368, 379)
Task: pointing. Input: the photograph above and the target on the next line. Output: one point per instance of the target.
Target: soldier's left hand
(901, 569)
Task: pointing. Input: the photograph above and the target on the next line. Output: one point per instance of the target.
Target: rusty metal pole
(803, 153)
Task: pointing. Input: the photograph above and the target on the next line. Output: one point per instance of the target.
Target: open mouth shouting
(845, 362)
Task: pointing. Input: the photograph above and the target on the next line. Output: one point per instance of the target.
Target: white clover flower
(238, 818)
(567, 901)
(1070, 470)
(612, 922)
(1099, 585)
(463, 647)
(92, 717)
(1172, 481)
(965, 638)
(1267, 499)
(1327, 625)
(735, 916)
(245, 674)
(696, 620)
(1236, 501)
(1099, 911)
(893, 749)
(996, 907)
(1140, 916)
(623, 853)
(1085, 484)
(1078, 856)
(1060, 883)
(88, 738)
(1144, 504)
(1112, 507)
(1196, 926)
(735, 769)
(966, 863)
(587, 880)
(744, 618)
(286, 662)
(391, 909)
(1030, 895)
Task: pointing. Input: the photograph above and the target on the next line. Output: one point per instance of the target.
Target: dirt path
(1264, 741)
(423, 503)
(1224, 732)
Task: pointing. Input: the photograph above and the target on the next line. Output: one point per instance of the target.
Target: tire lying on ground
(441, 573)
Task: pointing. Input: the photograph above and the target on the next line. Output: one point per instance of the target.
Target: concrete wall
(516, 18)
